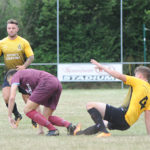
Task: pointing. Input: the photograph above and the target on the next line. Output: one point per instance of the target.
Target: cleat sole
(103, 135)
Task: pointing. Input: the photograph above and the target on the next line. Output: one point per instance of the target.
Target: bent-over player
(44, 89)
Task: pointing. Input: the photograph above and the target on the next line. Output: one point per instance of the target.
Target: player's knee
(6, 98)
(89, 105)
(25, 97)
(6, 94)
(27, 109)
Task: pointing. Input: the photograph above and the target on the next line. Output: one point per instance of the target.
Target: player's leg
(97, 112)
(30, 111)
(58, 121)
(101, 107)
(35, 125)
(114, 118)
(6, 94)
(25, 97)
(88, 131)
(55, 120)
(47, 112)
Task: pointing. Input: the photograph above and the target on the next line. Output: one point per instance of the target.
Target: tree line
(88, 28)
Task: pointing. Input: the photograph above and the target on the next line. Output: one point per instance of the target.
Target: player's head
(12, 28)
(142, 72)
(9, 74)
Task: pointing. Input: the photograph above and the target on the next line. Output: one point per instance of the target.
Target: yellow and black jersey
(15, 51)
(137, 99)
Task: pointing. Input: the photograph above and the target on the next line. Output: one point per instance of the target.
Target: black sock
(15, 110)
(33, 122)
(97, 118)
(6, 104)
(89, 131)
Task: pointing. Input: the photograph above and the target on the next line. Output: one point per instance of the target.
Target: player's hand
(98, 66)
(20, 67)
(12, 122)
(93, 61)
(41, 132)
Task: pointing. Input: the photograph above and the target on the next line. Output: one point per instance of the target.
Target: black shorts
(116, 118)
(22, 91)
(6, 84)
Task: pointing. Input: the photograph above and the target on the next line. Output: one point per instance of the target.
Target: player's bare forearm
(11, 101)
(29, 61)
(10, 106)
(115, 74)
(147, 121)
(26, 64)
(111, 72)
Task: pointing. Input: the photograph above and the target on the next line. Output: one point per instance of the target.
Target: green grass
(72, 108)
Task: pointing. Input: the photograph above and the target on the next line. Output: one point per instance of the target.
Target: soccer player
(44, 89)
(18, 55)
(122, 118)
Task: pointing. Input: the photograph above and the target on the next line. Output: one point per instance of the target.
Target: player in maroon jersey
(44, 89)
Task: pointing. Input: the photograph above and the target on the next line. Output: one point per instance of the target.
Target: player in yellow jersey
(18, 55)
(122, 118)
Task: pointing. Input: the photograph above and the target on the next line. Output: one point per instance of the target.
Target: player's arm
(147, 121)
(27, 63)
(11, 102)
(29, 54)
(111, 72)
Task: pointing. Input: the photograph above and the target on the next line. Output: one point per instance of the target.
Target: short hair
(144, 70)
(12, 21)
(11, 72)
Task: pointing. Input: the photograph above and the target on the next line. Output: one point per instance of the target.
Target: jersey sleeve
(15, 79)
(28, 50)
(132, 81)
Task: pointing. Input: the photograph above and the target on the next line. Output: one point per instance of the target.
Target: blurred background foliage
(88, 29)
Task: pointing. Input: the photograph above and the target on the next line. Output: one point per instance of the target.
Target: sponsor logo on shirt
(19, 47)
(28, 90)
(12, 56)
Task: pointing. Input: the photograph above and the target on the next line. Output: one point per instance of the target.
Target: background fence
(70, 31)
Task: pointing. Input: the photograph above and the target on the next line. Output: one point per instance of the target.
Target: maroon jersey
(28, 79)
(43, 87)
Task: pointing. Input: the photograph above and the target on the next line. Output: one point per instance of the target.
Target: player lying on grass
(122, 118)
(44, 89)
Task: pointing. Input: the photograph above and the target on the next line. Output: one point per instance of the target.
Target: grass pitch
(72, 107)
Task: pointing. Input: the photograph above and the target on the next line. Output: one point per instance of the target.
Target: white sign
(86, 72)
